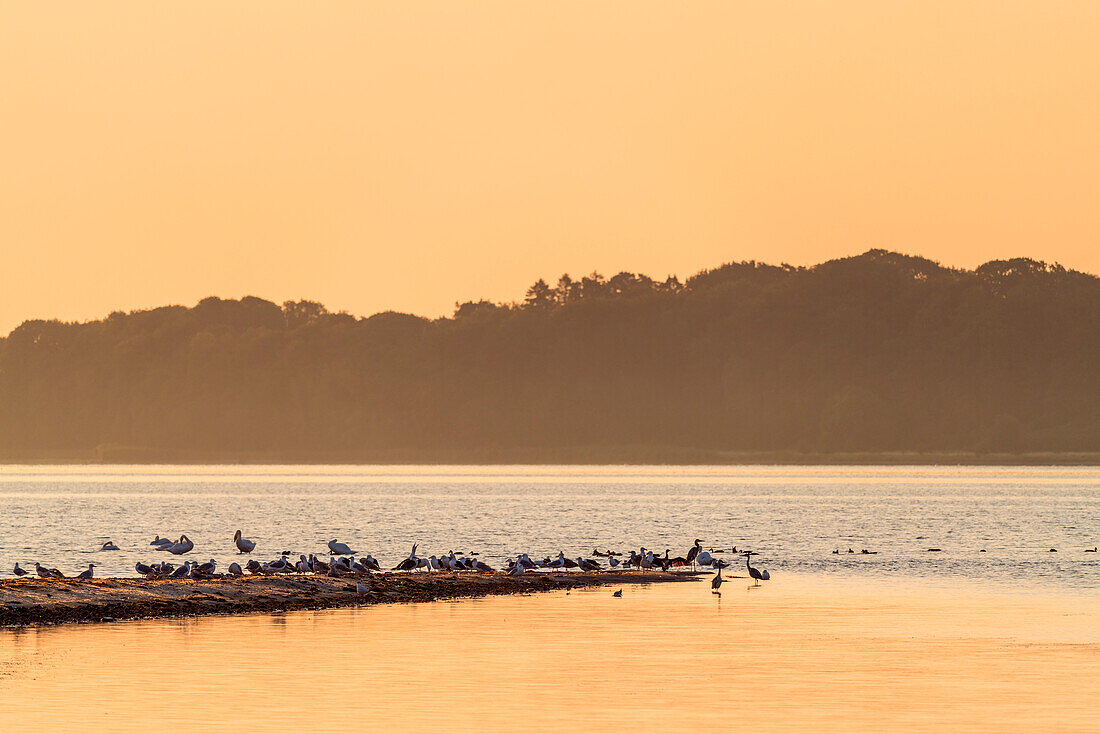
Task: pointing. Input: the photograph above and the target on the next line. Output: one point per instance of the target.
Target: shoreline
(26, 602)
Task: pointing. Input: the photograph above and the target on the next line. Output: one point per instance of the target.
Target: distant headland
(878, 358)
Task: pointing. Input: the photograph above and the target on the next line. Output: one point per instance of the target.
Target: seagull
(205, 568)
(86, 574)
(244, 545)
(235, 569)
(360, 589)
(613, 562)
(757, 574)
(18, 571)
(339, 549)
(370, 563)
(42, 571)
(183, 571)
(716, 582)
(143, 569)
(109, 546)
(586, 565)
(181, 546)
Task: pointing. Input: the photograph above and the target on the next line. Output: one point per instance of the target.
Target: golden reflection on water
(797, 654)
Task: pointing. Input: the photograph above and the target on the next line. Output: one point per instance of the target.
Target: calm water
(794, 516)
(802, 653)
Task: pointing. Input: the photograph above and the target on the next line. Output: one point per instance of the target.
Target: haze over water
(794, 516)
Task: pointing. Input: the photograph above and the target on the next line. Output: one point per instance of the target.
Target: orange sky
(407, 155)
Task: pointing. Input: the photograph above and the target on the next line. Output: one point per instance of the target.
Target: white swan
(181, 546)
(161, 543)
(339, 549)
(244, 545)
(109, 546)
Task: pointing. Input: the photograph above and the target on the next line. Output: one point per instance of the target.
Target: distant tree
(539, 295)
(300, 313)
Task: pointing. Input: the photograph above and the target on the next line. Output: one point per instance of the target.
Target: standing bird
(757, 574)
(235, 569)
(409, 563)
(86, 574)
(244, 545)
(18, 571)
(716, 582)
(694, 553)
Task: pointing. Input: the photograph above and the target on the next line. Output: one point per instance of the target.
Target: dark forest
(876, 353)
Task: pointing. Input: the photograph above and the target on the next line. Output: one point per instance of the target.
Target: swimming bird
(161, 543)
(693, 552)
(244, 545)
(1087, 550)
(86, 574)
(836, 551)
(716, 582)
(705, 559)
(235, 569)
(109, 546)
(757, 574)
(339, 549)
(181, 546)
(18, 571)
(618, 593)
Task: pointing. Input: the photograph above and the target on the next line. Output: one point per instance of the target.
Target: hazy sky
(406, 155)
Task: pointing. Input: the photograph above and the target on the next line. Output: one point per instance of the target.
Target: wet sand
(43, 601)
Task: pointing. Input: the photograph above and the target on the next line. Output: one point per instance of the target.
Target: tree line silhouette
(875, 353)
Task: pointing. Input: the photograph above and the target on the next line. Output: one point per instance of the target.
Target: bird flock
(344, 561)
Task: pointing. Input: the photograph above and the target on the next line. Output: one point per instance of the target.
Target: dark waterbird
(757, 574)
(693, 553)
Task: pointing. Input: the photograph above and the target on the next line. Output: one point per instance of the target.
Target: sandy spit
(39, 601)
